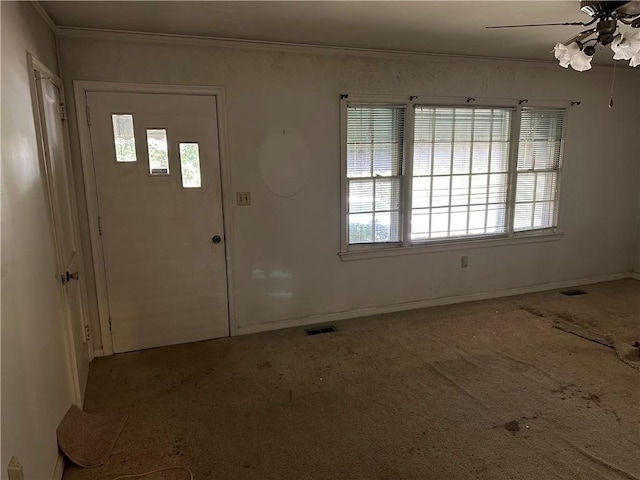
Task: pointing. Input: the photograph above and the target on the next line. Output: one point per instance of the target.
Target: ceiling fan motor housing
(606, 31)
(595, 8)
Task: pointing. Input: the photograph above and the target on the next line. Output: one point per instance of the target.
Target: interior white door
(64, 221)
(160, 218)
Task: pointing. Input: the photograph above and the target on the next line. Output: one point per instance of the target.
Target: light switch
(243, 198)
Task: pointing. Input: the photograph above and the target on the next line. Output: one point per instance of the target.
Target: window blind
(538, 168)
(460, 171)
(375, 155)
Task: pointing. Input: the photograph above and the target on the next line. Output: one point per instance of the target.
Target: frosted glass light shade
(572, 55)
(581, 62)
(564, 53)
(627, 47)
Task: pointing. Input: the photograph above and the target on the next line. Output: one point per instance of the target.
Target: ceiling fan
(607, 16)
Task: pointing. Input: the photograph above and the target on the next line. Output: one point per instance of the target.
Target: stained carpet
(482, 390)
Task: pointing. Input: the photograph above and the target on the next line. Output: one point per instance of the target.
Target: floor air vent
(319, 330)
(573, 292)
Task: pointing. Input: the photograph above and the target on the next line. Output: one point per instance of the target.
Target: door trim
(81, 88)
(37, 70)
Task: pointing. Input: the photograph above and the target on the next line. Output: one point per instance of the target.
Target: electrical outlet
(243, 198)
(464, 261)
(14, 469)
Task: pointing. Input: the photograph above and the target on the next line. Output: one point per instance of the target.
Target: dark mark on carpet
(513, 426)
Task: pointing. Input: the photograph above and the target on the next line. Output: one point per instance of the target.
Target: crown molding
(45, 16)
(220, 42)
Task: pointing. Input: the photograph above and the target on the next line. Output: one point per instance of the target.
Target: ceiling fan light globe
(581, 62)
(626, 46)
(561, 50)
(564, 53)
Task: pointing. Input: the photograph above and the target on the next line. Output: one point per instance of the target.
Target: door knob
(216, 239)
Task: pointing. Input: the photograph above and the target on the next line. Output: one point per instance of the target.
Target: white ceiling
(448, 27)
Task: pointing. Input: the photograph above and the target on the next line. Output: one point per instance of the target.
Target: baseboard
(98, 353)
(436, 302)
(58, 471)
(635, 275)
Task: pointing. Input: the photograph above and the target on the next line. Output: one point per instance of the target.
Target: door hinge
(63, 112)
(63, 279)
(110, 326)
(88, 115)
(100, 226)
(87, 333)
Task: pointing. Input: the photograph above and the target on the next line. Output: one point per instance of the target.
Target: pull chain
(613, 81)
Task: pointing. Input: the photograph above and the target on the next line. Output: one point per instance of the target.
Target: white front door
(157, 173)
(64, 221)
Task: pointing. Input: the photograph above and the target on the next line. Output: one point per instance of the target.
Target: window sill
(364, 253)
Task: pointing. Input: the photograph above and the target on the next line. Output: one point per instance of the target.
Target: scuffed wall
(36, 382)
(285, 248)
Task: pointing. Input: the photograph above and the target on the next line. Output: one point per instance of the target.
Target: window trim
(405, 246)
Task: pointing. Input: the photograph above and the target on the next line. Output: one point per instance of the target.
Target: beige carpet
(166, 473)
(483, 390)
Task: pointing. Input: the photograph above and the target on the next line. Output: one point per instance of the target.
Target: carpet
(87, 439)
(481, 390)
(616, 326)
(167, 473)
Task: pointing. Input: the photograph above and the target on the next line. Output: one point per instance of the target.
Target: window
(455, 173)
(375, 145)
(190, 165)
(460, 172)
(123, 138)
(539, 156)
(158, 151)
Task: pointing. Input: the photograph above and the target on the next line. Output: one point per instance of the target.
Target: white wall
(300, 235)
(36, 382)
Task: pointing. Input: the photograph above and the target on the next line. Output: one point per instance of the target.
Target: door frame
(81, 88)
(38, 71)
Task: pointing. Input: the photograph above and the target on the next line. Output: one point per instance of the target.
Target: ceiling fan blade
(631, 8)
(581, 36)
(539, 25)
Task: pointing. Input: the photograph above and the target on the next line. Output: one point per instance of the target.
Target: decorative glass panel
(158, 151)
(124, 138)
(190, 165)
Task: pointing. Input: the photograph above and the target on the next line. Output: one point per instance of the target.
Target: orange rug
(87, 439)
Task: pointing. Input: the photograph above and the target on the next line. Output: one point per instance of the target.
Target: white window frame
(406, 246)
